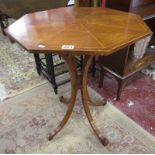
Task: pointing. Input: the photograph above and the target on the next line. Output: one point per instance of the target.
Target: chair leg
(120, 87)
(101, 78)
(3, 23)
(38, 63)
(81, 61)
(93, 68)
(51, 73)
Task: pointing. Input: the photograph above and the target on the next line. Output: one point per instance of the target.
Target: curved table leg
(85, 100)
(74, 87)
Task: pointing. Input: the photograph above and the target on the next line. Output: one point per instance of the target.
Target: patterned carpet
(39, 110)
(17, 69)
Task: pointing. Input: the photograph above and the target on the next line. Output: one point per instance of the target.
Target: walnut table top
(93, 31)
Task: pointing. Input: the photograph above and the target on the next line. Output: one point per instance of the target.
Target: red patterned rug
(137, 99)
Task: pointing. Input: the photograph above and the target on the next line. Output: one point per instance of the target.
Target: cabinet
(89, 3)
(84, 3)
(121, 64)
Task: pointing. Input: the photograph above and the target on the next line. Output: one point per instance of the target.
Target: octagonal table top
(78, 30)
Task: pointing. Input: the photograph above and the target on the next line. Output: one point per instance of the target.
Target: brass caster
(50, 136)
(61, 99)
(104, 141)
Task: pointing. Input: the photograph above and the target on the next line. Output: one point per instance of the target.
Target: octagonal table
(78, 31)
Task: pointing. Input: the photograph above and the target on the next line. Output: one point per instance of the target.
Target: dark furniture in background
(121, 64)
(85, 3)
(17, 8)
(90, 3)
